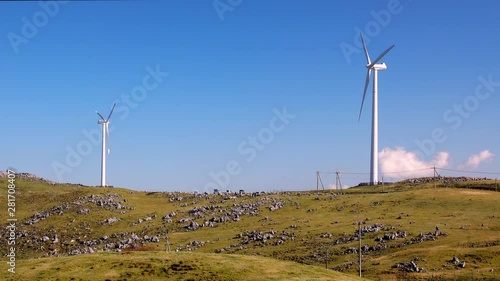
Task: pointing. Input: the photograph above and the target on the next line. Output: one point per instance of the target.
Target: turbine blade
(381, 56)
(111, 111)
(367, 81)
(100, 115)
(364, 47)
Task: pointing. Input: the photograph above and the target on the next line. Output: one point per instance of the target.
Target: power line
(471, 172)
(409, 171)
(359, 173)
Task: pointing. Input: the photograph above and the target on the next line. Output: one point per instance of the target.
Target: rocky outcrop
(28, 177)
(108, 201)
(410, 266)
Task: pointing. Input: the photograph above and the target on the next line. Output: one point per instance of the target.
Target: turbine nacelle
(378, 66)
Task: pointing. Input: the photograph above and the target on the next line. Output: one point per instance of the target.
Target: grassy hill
(171, 266)
(279, 235)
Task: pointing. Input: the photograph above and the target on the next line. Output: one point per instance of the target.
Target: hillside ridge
(401, 228)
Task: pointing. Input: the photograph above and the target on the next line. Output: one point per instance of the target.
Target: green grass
(170, 266)
(468, 212)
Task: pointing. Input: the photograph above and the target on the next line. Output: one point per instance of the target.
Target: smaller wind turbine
(376, 67)
(105, 143)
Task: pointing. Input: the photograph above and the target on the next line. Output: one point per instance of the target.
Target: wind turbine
(105, 143)
(375, 66)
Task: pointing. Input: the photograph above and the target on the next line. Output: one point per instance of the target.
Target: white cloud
(333, 186)
(400, 164)
(476, 159)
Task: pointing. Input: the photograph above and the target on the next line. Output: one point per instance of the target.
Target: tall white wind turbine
(375, 66)
(105, 143)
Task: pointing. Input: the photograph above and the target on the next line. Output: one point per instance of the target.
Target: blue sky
(231, 66)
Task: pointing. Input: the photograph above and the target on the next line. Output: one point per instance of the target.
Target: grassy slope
(470, 217)
(171, 266)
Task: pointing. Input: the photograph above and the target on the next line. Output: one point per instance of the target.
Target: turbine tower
(105, 143)
(375, 66)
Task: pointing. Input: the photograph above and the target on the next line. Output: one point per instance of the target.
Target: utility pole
(317, 180)
(326, 257)
(337, 181)
(496, 184)
(359, 231)
(167, 244)
(434, 176)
